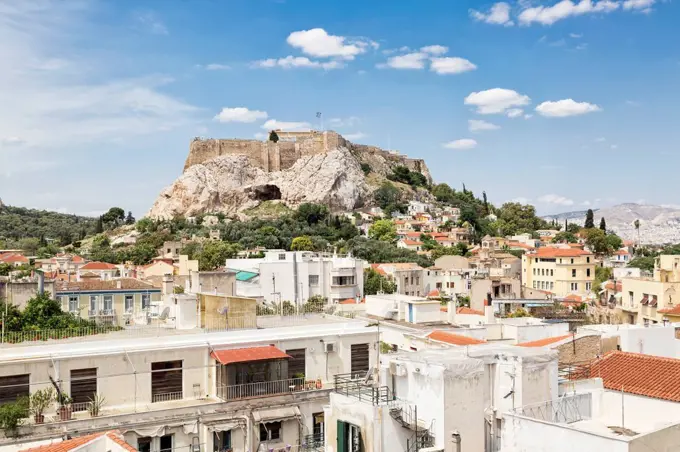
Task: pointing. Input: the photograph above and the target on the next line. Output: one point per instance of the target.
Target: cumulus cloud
(498, 14)
(451, 65)
(216, 67)
(260, 136)
(274, 124)
(478, 125)
(434, 49)
(462, 144)
(642, 5)
(565, 107)
(318, 43)
(291, 62)
(514, 112)
(240, 114)
(548, 15)
(496, 100)
(414, 60)
(556, 200)
(521, 200)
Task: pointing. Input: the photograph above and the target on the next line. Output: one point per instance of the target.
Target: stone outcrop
(233, 176)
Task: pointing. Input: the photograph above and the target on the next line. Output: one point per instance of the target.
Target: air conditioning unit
(329, 347)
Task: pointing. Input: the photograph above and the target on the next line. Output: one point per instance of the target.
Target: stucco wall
(18, 293)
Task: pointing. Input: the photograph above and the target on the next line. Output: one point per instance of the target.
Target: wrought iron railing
(313, 443)
(356, 385)
(564, 410)
(267, 388)
(167, 397)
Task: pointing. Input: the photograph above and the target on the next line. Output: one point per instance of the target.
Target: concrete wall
(364, 415)
(528, 333)
(18, 293)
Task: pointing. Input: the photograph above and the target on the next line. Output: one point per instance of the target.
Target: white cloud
(354, 136)
(548, 15)
(240, 114)
(273, 124)
(434, 49)
(409, 61)
(565, 107)
(462, 144)
(260, 136)
(521, 200)
(216, 67)
(514, 112)
(528, 116)
(451, 65)
(556, 199)
(291, 62)
(478, 125)
(496, 100)
(318, 43)
(576, 35)
(12, 141)
(149, 21)
(499, 14)
(350, 121)
(586, 203)
(644, 6)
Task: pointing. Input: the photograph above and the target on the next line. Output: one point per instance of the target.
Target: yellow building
(562, 271)
(653, 299)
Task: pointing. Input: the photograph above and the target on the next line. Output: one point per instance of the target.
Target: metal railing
(267, 388)
(574, 371)
(313, 443)
(80, 406)
(355, 385)
(167, 397)
(564, 410)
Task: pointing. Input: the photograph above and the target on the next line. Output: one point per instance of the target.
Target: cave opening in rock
(267, 192)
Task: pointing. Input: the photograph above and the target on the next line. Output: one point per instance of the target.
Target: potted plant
(65, 409)
(299, 380)
(95, 405)
(40, 401)
(12, 415)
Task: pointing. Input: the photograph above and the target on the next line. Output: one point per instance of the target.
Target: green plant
(95, 405)
(13, 414)
(299, 375)
(64, 399)
(40, 400)
(178, 289)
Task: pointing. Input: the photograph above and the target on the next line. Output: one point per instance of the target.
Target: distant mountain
(658, 224)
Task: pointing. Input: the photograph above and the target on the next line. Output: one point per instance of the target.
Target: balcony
(355, 385)
(266, 388)
(565, 410)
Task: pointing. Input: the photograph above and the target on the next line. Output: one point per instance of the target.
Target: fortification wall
(203, 150)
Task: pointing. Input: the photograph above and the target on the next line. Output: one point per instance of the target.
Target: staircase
(407, 417)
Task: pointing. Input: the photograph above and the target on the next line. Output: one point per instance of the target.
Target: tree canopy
(590, 221)
(374, 282)
(383, 230)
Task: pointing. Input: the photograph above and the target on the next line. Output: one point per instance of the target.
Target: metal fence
(267, 388)
(564, 410)
(355, 385)
(167, 397)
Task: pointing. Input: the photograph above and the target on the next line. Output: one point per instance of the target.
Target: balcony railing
(313, 443)
(267, 388)
(80, 406)
(167, 397)
(355, 385)
(564, 410)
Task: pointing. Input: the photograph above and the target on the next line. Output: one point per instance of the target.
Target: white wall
(425, 312)
(641, 414)
(527, 333)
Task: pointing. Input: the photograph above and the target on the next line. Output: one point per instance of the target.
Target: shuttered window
(166, 381)
(83, 385)
(359, 358)
(13, 387)
(296, 364)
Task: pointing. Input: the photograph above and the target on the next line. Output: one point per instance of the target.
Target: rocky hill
(658, 224)
(235, 176)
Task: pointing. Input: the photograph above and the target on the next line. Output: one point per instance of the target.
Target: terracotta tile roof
(622, 253)
(242, 355)
(644, 375)
(412, 242)
(98, 266)
(377, 268)
(520, 245)
(611, 285)
(117, 438)
(351, 301)
(433, 293)
(469, 311)
(68, 445)
(675, 310)
(10, 258)
(545, 341)
(103, 285)
(452, 338)
(573, 298)
(559, 252)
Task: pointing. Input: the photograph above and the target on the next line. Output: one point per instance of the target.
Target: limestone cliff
(232, 176)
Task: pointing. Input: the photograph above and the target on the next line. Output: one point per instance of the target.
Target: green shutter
(342, 437)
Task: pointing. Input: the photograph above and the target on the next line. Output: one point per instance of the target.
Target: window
(587, 260)
(313, 280)
(166, 443)
(588, 286)
(270, 431)
(573, 273)
(144, 444)
(129, 303)
(572, 260)
(146, 301)
(319, 425)
(169, 251)
(296, 364)
(344, 280)
(630, 298)
(534, 284)
(221, 441)
(108, 304)
(574, 287)
(588, 272)
(73, 303)
(417, 280)
(439, 285)
(551, 272)
(94, 304)
(83, 386)
(359, 358)
(534, 271)
(13, 387)
(282, 257)
(552, 285)
(349, 438)
(166, 381)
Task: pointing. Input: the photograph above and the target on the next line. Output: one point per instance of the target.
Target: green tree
(29, 245)
(215, 253)
(366, 168)
(113, 217)
(564, 236)
(645, 263)
(145, 225)
(383, 230)
(387, 196)
(590, 221)
(302, 243)
(99, 227)
(602, 274)
(603, 224)
(428, 242)
(572, 228)
(601, 243)
(485, 203)
(13, 320)
(273, 136)
(129, 219)
(374, 282)
(311, 213)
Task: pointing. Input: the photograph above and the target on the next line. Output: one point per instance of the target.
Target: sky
(565, 105)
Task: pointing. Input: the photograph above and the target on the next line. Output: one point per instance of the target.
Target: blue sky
(566, 105)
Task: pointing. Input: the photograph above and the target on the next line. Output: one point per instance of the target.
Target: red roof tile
(644, 375)
(433, 293)
(412, 242)
(98, 266)
(675, 310)
(545, 341)
(242, 355)
(68, 445)
(469, 311)
(351, 301)
(454, 339)
(10, 258)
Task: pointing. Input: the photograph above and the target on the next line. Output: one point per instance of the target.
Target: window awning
(244, 355)
(276, 414)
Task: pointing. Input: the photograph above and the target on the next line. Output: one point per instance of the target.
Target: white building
(415, 207)
(403, 308)
(297, 275)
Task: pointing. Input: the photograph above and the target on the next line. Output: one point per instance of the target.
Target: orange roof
(559, 252)
(617, 286)
(351, 301)
(242, 355)
(452, 338)
(377, 268)
(546, 341)
(98, 266)
(412, 242)
(675, 310)
(470, 311)
(65, 446)
(622, 253)
(433, 293)
(645, 375)
(573, 297)
(13, 257)
(444, 239)
(519, 245)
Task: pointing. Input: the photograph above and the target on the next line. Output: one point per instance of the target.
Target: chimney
(451, 312)
(167, 285)
(41, 282)
(488, 311)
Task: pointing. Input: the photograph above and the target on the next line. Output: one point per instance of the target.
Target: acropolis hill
(234, 175)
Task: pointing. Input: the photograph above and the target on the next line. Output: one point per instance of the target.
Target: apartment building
(239, 390)
(408, 276)
(297, 275)
(561, 271)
